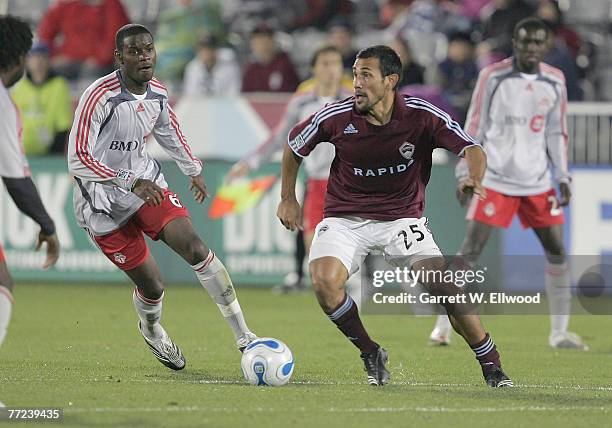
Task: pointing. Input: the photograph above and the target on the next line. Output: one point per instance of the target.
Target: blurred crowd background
(219, 48)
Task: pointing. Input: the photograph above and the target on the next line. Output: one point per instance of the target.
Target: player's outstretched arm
(289, 211)
(26, 197)
(476, 160)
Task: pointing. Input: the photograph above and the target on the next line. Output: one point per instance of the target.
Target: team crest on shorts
(322, 229)
(120, 258)
(407, 150)
(489, 209)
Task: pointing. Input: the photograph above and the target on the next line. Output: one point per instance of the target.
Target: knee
(196, 251)
(328, 285)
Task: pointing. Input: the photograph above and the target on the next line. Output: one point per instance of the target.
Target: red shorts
(534, 211)
(2, 257)
(126, 247)
(314, 203)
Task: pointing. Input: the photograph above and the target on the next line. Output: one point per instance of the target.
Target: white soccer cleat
(165, 350)
(567, 340)
(244, 340)
(440, 337)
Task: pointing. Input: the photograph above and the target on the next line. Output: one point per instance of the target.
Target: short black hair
(530, 24)
(127, 31)
(390, 62)
(15, 41)
(323, 50)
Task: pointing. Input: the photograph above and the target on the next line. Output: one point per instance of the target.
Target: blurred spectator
(424, 16)
(412, 72)
(81, 35)
(319, 13)
(270, 69)
(559, 56)
(178, 31)
(340, 35)
(498, 29)
(45, 104)
(213, 72)
(549, 12)
(458, 73)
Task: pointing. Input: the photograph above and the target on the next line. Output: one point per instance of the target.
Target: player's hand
(199, 188)
(468, 187)
(239, 169)
(566, 194)
(289, 213)
(149, 192)
(53, 248)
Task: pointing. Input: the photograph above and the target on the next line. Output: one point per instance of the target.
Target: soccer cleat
(374, 365)
(567, 340)
(165, 350)
(244, 340)
(440, 337)
(496, 378)
(291, 284)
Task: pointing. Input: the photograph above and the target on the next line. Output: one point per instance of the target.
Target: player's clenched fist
(469, 187)
(289, 213)
(148, 191)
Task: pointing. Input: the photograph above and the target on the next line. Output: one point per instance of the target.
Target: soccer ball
(267, 361)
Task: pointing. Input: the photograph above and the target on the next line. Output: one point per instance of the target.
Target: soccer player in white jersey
(120, 191)
(15, 42)
(518, 113)
(327, 72)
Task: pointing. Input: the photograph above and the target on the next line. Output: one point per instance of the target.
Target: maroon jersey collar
(398, 114)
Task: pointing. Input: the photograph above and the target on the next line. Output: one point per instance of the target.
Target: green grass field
(77, 347)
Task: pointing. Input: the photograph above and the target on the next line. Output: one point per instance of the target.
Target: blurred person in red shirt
(81, 34)
(270, 69)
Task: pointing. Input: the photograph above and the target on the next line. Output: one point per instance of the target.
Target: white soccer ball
(267, 361)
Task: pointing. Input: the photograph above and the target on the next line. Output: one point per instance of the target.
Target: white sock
(559, 296)
(216, 281)
(6, 304)
(443, 323)
(149, 311)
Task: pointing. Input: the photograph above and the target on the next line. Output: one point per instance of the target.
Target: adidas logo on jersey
(140, 108)
(350, 129)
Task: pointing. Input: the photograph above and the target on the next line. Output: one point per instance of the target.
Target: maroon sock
(346, 318)
(486, 354)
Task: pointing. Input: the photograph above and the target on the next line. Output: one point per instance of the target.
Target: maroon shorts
(126, 247)
(314, 203)
(534, 211)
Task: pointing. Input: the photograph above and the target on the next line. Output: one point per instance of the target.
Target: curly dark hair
(15, 41)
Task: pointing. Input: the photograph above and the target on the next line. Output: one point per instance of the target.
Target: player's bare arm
(289, 211)
(199, 188)
(476, 160)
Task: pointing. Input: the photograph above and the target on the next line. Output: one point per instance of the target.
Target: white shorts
(403, 242)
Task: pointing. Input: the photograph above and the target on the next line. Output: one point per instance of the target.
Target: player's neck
(327, 90)
(380, 113)
(133, 86)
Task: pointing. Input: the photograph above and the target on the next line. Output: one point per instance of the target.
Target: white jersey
(521, 122)
(13, 162)
(107, 146)
(301, 106)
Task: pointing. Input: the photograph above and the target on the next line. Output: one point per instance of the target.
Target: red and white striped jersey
(13, 162)
(107, 149)
(520, 120)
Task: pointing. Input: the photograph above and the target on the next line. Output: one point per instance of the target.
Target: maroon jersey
(379, 172)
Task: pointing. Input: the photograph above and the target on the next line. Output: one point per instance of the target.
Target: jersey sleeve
(275, 143)
(448, 134)
(88, 118)
(479, 105)
(557, 136)
(13, 163)
(169, 136)
(305, 136)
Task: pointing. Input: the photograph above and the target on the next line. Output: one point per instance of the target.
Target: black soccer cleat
(374, 364)
(496, 378)
(166, 351)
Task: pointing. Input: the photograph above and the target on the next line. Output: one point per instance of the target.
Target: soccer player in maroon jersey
(15, 42)
(376, 196)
